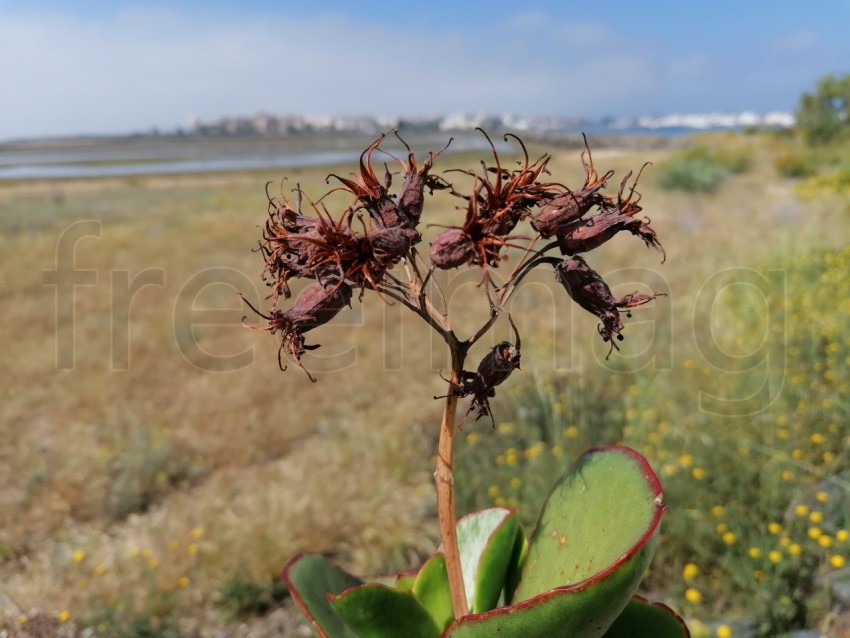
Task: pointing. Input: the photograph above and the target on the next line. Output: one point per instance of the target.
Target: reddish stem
(444, 478)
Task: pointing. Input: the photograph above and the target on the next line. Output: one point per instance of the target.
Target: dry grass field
(153, 457)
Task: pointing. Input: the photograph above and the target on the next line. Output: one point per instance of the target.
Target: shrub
(795, 165)
(691, 175)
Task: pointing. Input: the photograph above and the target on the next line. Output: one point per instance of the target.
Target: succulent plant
(575, 578)
(578, 574)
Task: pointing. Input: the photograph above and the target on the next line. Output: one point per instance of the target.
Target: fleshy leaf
(643, 619)
(600, 514)
(310, 578)
(378, 611)
(431, 588)
(594, 541)
(514, 574)
(405, 580)
(486, 540)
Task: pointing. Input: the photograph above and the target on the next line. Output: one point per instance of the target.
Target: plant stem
(444, 479)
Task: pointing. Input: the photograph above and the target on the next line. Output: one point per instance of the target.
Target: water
(116, 158)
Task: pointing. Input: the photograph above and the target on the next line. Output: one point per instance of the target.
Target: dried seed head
(497, 365)
(478, 242)
(389, 245)
(590, 291)
(592, 232)
(410, 198)
(315, 306)
(563, 209)
(452, 248)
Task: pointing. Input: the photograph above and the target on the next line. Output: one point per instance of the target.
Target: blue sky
(70, 67)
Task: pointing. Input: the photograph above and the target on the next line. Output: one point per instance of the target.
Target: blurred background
(158, 469)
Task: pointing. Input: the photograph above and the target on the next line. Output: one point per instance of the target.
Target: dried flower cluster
(359, 248)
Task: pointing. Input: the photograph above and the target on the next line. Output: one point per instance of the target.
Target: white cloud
(138, 69)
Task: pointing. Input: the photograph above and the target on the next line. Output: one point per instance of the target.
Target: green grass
(176, 491)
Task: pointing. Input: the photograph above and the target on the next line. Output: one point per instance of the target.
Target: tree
(824, 116)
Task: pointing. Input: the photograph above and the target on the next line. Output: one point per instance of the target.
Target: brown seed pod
(288, 245)
(478, 242)
(371, 193)
(590, 291)
(315, 306)
(496, 366)
(410, 198)
(592, 232)
(566, 208)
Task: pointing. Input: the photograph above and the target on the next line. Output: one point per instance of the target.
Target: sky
(71, 67)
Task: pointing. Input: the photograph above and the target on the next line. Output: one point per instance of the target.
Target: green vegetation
(823, 116)
(702, 169)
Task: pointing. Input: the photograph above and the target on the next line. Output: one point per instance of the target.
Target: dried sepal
(315, 306)
(506, 197)
(289, 245)
(410, 198)
(587, 288)
(566, 208)
(371, 193)
(479, 242)
(496, 366)
(592, 232)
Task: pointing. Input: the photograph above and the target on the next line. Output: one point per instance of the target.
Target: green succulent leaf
(405, 580)
(486, 540)
(518, 557)
(643, 619)
(593, 543)
(600, 515)
(378, 611)
(310, 578)
(431, 588)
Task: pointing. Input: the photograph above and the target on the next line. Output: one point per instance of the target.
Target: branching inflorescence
(359, 248)
(371, 245)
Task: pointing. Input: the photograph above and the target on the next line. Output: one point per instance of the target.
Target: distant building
(288, 124)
